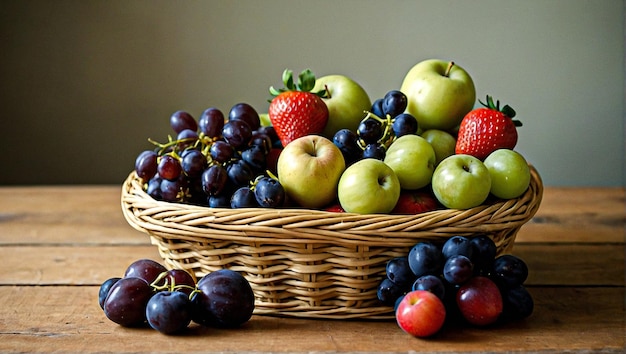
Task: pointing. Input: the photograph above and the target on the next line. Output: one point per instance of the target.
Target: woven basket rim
(350, 227)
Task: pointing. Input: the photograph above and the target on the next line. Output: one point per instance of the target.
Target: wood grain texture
(59, 243)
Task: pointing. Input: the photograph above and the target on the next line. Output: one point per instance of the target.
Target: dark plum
(225, 300)
(127, 300)
(146, 269)
(169, 312)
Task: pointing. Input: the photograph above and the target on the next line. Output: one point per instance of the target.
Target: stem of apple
(450, 65)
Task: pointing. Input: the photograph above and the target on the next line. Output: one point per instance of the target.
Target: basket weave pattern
(311, 263)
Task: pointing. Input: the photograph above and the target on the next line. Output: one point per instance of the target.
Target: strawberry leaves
(305, 83)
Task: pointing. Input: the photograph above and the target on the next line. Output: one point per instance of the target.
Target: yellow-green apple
(368, 186)
(439, 93)
(510, 174)
(420, 313)
(412, 158)
(461, 182)
(346, 101)
(309, 169)
(442, 142)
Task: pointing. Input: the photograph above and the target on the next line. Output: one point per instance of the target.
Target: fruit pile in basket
(323, 144)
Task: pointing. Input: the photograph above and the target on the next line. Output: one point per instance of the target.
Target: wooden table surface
(57, 245)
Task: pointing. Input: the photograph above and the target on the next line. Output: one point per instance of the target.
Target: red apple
(421, 313)
(415, 202)
(479, 301)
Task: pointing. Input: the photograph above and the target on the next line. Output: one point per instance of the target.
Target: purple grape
(377, 108)
(181, 120)
(431, 283)
(370, 130)
(104, 290)
(246, 113)
(243, 198)
(211, 122)
(483, 254)
(240, 173)
(347, 142)
(154, 187)
(169, 168)
(388, 292)
(399, 272)
(374, 151)
(269, 193)
(237, 133)
(214, 180)
(221, 151)
(219, 201)
(193, 163)
(509, 271)
(255, 156)
(425, 258)
(517, 303)
(146, 165)
(394, 103)
(404, 124)
(457, 245)
(172, 191)
(458, 269)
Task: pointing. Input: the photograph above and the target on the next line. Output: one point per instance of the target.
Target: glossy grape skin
(370, 130)
(211, 122)
(399, 271)
(404, 124)
(479, 301)
(214, 179)
(457, 245)
(154, 187)
(146, 165)
(169, 312)
(219, 201)
(262, 141)
(169, 167)
(394, 103)
(425, 258)
(225, 299)
(269, 193)
(509, 270)
(193, 163)
(374, 151)
(172, 190)
(246, 113)
(221, 151)
(146, 269)
(237, 133)
(347, 142)
(377, 108)
(243, 198)
(240, 173)
(104, 290)
(181, 120)
(458, 269)
(127, 300)
(431, 283)
(270, 131)
(484, 252)
(255, 156)
(517, 303)
(388, 292)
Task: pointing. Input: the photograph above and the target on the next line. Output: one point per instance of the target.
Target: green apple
(346, 102)
(439, 94)
(461, 182)
(309, 169)
(368, 186)
(442, 142)
(510, 174)
(412, 158)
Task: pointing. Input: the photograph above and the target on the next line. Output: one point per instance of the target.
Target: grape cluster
(216, 162)
(444, 269)
(169, 300)
(384, 122)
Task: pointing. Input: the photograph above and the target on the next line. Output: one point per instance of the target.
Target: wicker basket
(311, 263)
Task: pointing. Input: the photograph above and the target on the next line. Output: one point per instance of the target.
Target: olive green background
(84, 84)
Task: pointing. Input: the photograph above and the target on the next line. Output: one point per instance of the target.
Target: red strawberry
(484, 130)
(415, 202)
(295, 111)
